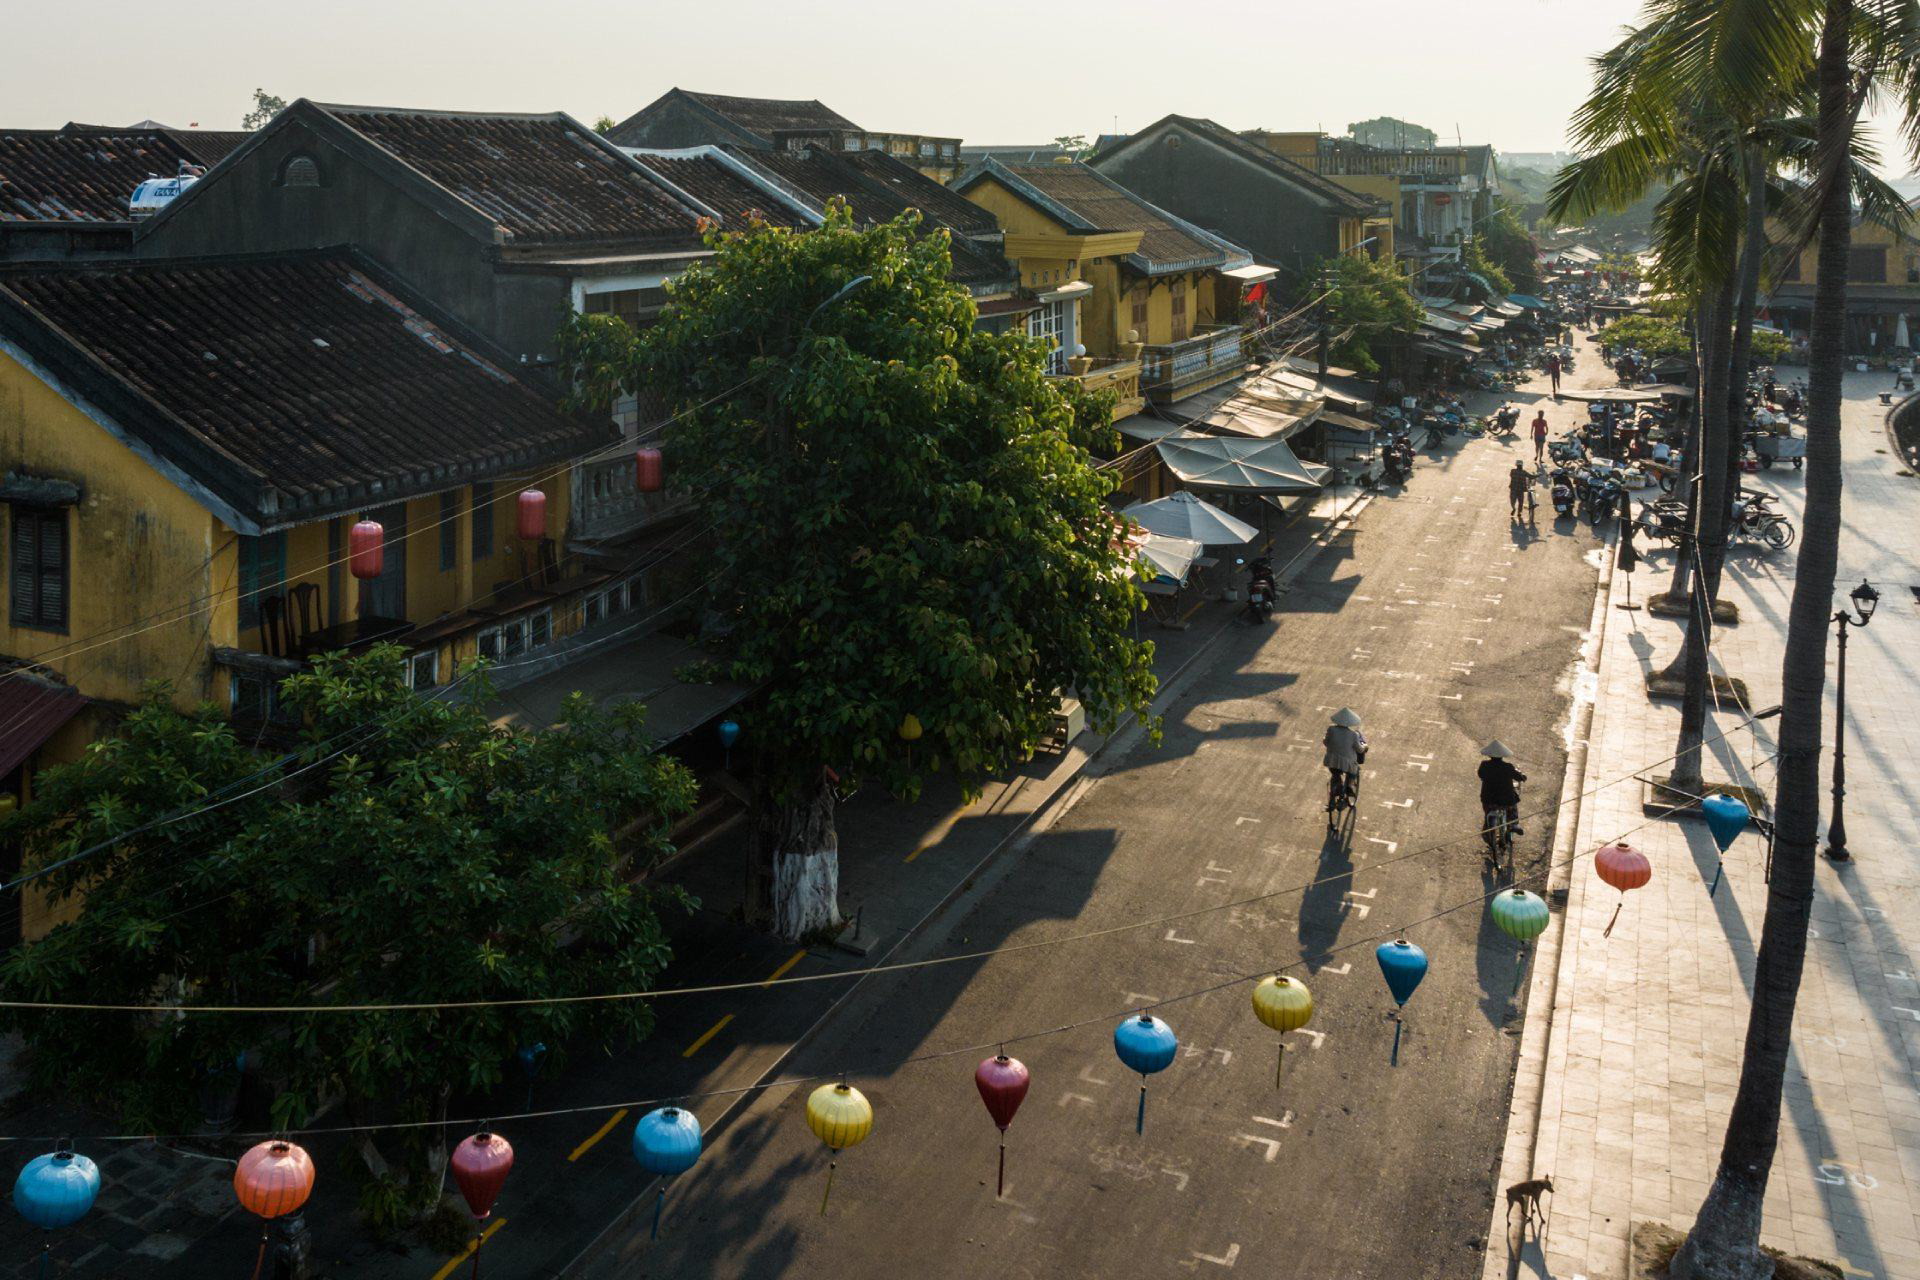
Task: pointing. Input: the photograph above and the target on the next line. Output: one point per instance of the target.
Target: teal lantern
(1522, 916)
(1147, 1045)
(1726, 818)
(1403, 964)
(666, 1142)
(55, 1191)
(728, 732)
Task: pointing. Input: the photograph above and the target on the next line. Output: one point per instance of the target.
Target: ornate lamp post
(1864, 599)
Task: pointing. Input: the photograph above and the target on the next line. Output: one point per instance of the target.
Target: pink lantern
(649, 470)
(367, 549)
(1003, 1083)
(532, 515)
(480, 1166)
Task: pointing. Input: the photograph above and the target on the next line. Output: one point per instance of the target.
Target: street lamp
(1864, 599)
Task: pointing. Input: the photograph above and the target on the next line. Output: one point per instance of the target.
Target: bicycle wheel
(1779, 535)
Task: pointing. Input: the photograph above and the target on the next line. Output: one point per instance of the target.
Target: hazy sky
(1501, 71)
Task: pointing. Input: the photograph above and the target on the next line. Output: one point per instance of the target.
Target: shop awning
(1445, 323)
(1145, 426)
(1255, 274)
(1346, 422)
(1619, 395)
(1246, 466)
(1528, 301)
(33, 711)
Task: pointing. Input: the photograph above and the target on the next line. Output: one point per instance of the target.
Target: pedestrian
(1540, 438)
(1553, 372)
(1606, 429)
(1519, 486)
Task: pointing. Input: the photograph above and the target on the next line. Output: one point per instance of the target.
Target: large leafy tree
(1511, 247)
(413, 853)
(1367, 302)
(909, 533)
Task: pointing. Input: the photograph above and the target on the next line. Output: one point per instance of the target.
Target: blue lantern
(666, 1142)
(1146, 1045)
(54, 1191)
(1726, 818)
(729, 733)
(1402, 964)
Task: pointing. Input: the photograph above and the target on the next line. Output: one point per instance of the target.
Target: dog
(1527, 1195)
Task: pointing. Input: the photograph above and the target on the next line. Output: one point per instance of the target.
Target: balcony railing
(607, 503)
(1107, 373)
(1172, 370)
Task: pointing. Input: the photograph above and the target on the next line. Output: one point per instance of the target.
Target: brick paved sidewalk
(1624, 1090)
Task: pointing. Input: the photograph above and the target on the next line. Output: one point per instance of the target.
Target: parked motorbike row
(1752, 518)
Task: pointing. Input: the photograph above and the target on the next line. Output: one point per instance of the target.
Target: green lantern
(1522, 916)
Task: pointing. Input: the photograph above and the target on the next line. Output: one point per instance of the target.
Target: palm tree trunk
(1752, 252)
(1725, 1241)
(1689, 468)
(1710, 540)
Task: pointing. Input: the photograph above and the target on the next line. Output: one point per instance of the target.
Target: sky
(1508, 72)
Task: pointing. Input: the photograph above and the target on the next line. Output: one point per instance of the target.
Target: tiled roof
(765, 115)
(1292, 171)
(544, 179)
(293, 386)
(722, 190)
(209, 146)
(80, 175)
(1103, 205)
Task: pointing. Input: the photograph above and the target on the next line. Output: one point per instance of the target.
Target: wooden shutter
(37, 590)
(23, 582)
(53, 569)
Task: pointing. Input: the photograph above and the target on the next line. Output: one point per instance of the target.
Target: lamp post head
(1864, 599)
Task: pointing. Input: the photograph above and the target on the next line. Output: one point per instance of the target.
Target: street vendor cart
(1785, 447)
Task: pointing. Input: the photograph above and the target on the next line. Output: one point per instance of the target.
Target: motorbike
(1599, 498)
(1504, 420)
(1562, 492)
(1567, 449)
(1436, 435)
(1755, 518)
(1396, 464)
(1261, 590)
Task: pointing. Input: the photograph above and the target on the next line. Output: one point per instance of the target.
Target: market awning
(1619, 395)
(1248, 466)
(1255, 274)
(1446, 349)
(1145, 426)
(1334, 418)
(33, 711)
(1445, 323)
(1300, 364)
(1169, 558)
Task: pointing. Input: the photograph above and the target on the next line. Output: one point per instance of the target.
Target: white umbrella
(1253, 466)
(1168, 557)
(1181, 515)
(1900, 335)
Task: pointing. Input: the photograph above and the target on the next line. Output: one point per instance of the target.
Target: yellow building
(1883, 289)
(186, 447)
(1119, 281)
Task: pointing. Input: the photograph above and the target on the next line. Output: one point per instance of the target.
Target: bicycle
(1499, 828)
(1343, 796)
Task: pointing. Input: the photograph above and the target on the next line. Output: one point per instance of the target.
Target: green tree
(1474, 257)
(1071, 143)
(265, 108)
(604, 124)
(1512, 248)
(435, 858)
(1368, 301)
(907, 524)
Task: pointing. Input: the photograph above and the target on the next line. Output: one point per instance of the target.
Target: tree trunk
(1689, 468)
(801, 854)
(1725, 1241)
(1710, 538)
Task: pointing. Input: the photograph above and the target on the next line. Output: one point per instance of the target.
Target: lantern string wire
(834, 975)
(842, 1074)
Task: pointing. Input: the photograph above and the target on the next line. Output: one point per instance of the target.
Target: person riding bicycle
(1498, 788)
(1346, 750)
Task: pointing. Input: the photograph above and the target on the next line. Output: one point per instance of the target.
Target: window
(483, 517)
(596, 609)
(1867, 264)
(39, 591)
(449, 530)
(300, 171)
(263, 572)
(540, 629)
(1790, 270)
(1138, 297)
(1181, 328)
(423, 669)
(1049, 324)
(638, 307)
(490, 644)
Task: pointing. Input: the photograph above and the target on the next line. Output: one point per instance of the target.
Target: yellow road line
(467, 1253)
(598, 1134)
(781, 972)
(711, 1032)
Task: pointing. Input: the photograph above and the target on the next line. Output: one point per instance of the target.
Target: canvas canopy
(1248, 466)
(1183, 515)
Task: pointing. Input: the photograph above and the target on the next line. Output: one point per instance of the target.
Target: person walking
(1519, 486)
(1553, 372)
(1540, 438)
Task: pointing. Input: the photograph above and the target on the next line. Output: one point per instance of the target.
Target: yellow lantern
(910, 727)
(1284, 1004)
(841, 1117)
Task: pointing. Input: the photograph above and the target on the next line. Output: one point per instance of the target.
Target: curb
(1073, 786)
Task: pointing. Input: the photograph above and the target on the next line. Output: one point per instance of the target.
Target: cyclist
(1346, 750)
(1499, 788)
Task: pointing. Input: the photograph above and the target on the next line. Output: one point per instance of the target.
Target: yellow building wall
(144, 557)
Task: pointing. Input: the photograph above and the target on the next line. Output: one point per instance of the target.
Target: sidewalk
(163, 1212)
(1631, 1051)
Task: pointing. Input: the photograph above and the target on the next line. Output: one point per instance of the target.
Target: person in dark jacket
(1499, 787)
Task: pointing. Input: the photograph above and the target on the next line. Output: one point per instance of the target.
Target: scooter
(1261, 590)
(1562, 492)
(1436, 435)
(1505, 419)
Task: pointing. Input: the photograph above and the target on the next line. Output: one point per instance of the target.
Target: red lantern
(480, 1167)
(367, 549)
(649, 470)
(1002, 1082)
(533, 515)
(273, 1179)
(1624, 867)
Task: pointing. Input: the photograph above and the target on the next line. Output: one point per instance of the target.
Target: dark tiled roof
(1104, 205)
(765, 115)
(80, 175)
(291, 386)
(722, 190)
(1292, 171)
(906, 184)
(875, 186)
(545, 179)
(209, 146)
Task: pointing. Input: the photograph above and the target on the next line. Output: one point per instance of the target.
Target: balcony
(1109, 373)
(608, 505)
(1174, 370)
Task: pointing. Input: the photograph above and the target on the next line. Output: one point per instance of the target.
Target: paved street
(1445, 625)
(1624, 1096)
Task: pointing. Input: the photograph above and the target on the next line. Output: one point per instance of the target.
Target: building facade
(683, 118)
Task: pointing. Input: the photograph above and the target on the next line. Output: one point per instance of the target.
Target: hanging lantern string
(359, 734)
(836, 975)
(1105, 1019)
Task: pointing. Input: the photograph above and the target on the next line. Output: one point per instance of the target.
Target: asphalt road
(1444, 624)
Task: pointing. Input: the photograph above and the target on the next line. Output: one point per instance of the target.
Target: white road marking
(1251, 1140)
(1243, 820)
(1397, 804)
(1068, 1099)
(1086, 1073)
(1346, 967)
(1284, 1122)
(1172, 936)
(1393, 846)
(1226, 1259)
(1218, 869)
